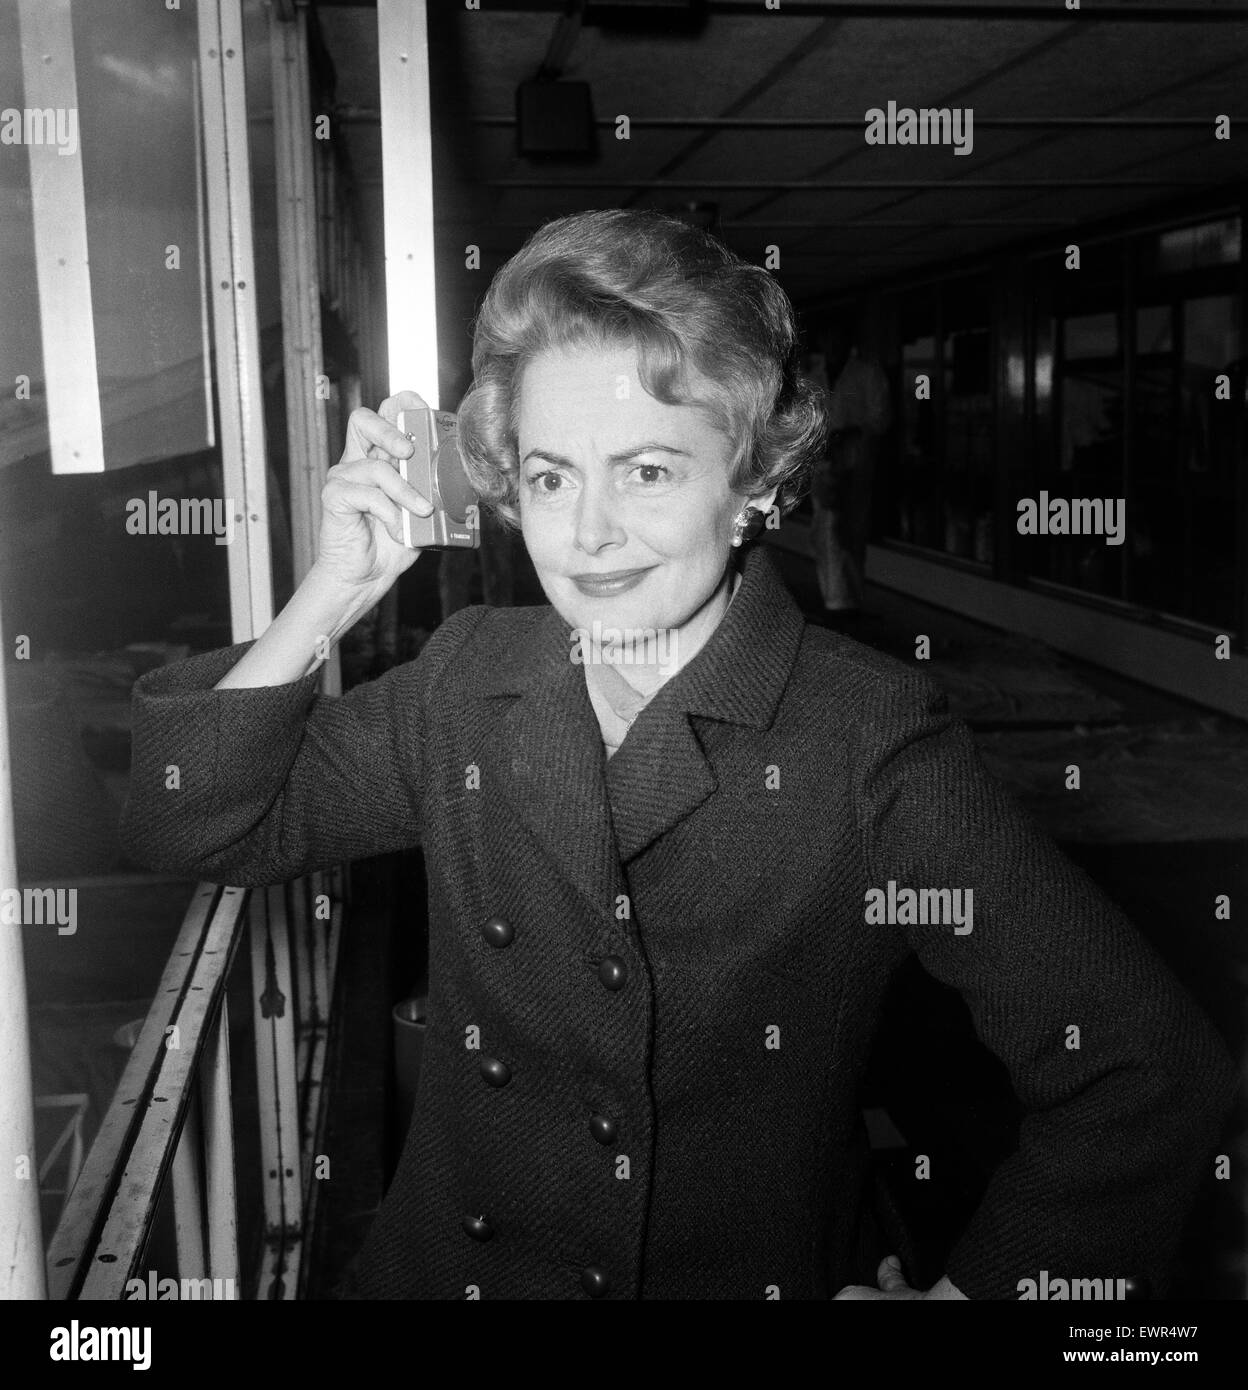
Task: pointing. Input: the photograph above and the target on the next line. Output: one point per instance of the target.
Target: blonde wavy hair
(683, 300)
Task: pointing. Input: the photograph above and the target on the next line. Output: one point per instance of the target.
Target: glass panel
(919, 515)
(262, 155)
(969, 423)
(1183, 439)
(1153, 330)
(104, 575)
(1082, 457)
(1092, 335)
(1192, 248)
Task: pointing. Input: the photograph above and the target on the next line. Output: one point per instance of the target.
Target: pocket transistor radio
(436, 471)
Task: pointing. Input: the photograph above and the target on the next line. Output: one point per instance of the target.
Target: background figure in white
(858, 416)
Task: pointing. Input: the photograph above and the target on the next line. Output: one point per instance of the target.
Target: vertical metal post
(205, 270)
(407, 182)
(301, 961)
(21, 1236)
(278, 1092)
(1011, 365)
(237, 339)
(188, 1205)
(300, 280)
(59, 211)
(222, 1206)
(237, 332)
(298, 229)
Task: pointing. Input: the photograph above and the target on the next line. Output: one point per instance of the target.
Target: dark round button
(498, 932)
(478, 1228)
(611, 972)
(603, 1128)
(1136, 1290)
(594, 1281)
(495, 1072)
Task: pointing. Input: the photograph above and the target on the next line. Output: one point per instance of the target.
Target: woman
(654, 816)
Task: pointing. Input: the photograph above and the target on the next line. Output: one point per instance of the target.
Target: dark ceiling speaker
(666, 16)
(555, 120)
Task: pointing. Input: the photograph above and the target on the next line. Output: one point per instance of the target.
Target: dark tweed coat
(628, 1126)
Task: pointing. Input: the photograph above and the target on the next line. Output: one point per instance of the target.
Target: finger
(348, 498)
(366, 430)
(401, 400)
(856, 1293)
(890, 1277)
(391, 482)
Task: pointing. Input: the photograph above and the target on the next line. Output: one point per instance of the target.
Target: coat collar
(738, 676)
(547, 749)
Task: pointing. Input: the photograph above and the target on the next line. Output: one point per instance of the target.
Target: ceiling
(811, 190)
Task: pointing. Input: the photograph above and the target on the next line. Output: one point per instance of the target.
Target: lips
(610, 582)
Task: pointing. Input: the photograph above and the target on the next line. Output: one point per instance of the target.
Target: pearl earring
(747, 525)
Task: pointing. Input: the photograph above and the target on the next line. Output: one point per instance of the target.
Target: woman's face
(625, 505)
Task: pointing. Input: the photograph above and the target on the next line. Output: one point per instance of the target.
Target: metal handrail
(171, 1117)
(98, 1240)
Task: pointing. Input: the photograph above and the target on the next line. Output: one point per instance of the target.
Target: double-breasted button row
(612, 972)
(496, 1072)
(613, 975)
(478, 1228)
(498, 932)
(603, 1128)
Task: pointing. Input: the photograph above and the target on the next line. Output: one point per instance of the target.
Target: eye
(652, 473)
(541, 481)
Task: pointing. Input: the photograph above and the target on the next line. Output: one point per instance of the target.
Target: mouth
(611, 582)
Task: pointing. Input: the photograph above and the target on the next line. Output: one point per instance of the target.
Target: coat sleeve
(256, 786)
(1117, 1132)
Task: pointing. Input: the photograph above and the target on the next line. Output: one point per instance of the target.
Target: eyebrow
(622, 457)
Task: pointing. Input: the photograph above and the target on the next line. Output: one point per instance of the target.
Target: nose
(597, 522)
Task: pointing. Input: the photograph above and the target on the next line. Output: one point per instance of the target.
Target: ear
(764, 501)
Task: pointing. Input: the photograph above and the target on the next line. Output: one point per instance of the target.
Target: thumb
(401, 400)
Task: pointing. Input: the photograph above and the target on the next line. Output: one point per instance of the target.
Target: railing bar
(302, 972)
(84, 1210)
(130, 1212)
(222, 1200)
(277, 1083)
(320, 929)
(313, 1135)
(188, 1203)
(335, 886)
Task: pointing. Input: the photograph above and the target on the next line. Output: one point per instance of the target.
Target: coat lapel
(661, 774)
(547, 751)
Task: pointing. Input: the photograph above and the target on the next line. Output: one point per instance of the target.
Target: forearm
(299, 638)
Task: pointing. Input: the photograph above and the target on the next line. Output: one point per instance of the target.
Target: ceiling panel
(865, 63)
(935, 161)
(1088, 154)
(782, 154)
(640, 157)
(1214, 162)
(802, 207)
(775, 66)
(1105, 68)
(1210, 92)
(630, 74)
